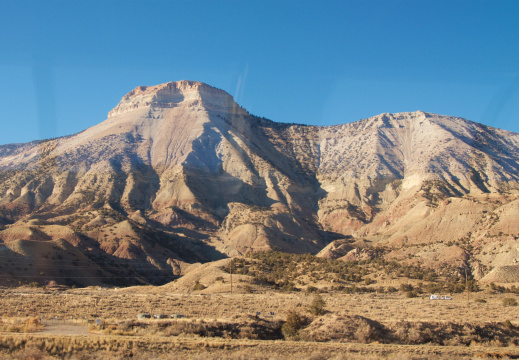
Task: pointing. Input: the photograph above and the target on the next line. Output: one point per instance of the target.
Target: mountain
(179, 173)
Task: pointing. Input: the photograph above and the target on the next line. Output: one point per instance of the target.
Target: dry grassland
(226, 326)
(125, 304)
(147, 348)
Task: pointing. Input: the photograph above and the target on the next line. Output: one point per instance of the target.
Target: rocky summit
(179, 173)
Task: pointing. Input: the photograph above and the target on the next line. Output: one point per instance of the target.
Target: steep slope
(431, 189)
(372, 164)
(178, 161)
(179, 173)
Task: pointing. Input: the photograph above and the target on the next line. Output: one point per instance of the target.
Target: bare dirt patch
(66, 329)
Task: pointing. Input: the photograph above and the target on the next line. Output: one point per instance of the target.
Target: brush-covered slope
(180, 173)
(432, 189)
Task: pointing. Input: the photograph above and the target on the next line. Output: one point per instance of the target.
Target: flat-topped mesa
(172, 94)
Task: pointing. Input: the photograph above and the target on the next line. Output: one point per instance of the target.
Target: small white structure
(435, 297)
(446, 298)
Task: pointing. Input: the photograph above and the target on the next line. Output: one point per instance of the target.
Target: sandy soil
(66, 329)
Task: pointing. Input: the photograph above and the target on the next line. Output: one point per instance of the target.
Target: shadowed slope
(194, 176)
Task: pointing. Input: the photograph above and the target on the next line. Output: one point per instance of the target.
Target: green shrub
(317, 306)
(311, 289)
(406, 287)
(411, 294)
(293, 324)
(509, 302)
(508, 324)
(198, 286)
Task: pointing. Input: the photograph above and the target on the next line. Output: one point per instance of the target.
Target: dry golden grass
(124, 304)
(118, 347)
(222, 325)
(24, 325)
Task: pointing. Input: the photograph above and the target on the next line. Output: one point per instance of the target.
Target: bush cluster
(292, 272)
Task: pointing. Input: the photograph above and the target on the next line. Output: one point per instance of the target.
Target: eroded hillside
(180, 173)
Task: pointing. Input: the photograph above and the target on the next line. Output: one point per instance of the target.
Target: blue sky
(65, 64)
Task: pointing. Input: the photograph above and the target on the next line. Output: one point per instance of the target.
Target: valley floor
(96, 323)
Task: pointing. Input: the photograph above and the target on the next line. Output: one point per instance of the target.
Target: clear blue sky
(65, 64)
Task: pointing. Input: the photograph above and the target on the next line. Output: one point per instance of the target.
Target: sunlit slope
(179, 173)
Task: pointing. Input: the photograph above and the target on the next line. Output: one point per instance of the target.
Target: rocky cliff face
(180, 173)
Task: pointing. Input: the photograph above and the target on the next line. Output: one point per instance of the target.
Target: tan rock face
(192, 176)
(174, 94)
